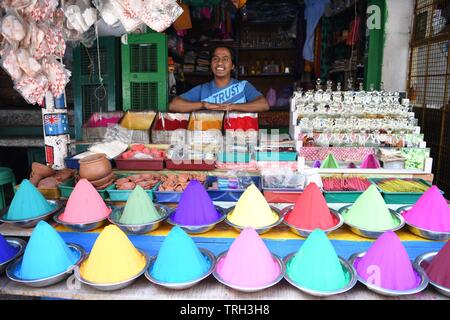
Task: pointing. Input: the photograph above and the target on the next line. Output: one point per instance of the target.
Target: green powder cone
(370, 212)
(28, 203)
(330, 163)
(316, 265)
(139, 208)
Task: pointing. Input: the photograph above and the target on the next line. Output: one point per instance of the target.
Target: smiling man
(222, 93)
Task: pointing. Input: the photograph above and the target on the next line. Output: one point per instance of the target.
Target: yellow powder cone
(113, 258)
(252, 210)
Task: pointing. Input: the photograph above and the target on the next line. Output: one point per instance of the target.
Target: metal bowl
(251, 289)
(199, 229)
(32, 222)
(388, 292)
(15, 242)
(372, 234)
(259, 230)
(45, 282)
(305, 233)
(139, 228)
(116, 285)
(424, 233)
(429, 257)
(345, 265)
(183, 285)
(79, 227)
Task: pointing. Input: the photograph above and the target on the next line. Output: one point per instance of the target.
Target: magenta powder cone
(317, 164)
(386, 265)
(352, 165)
(370, 162)
(431, 212)
(195, 207)
(248, 262)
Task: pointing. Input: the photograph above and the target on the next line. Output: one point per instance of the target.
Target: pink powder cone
(84, 205)
(431, 212)
(386, 264)
(370, 162)
(248, 262)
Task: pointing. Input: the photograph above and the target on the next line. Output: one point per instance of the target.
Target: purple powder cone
(317, 164)
(352, 165)
(195, 207)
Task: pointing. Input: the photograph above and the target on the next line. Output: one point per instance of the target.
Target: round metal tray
(345, 265)
(372, 234)
(45, 282)
(199, 229)
(424, 233)
(139, 228)
(32, 222)
(305, 233)
(259, 230)
(429, 257)
(17, 243)
(183, 285)
(116, 285)
(251, 289)
(388, 292)
(79, 227)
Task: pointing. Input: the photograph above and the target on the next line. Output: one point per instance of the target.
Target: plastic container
(67, 187)
(193, 165)
(122, 195)
(400, 197)
(139, 164)
(276, 156)
(341, 196)
(72, 163)
(281, 195)
(393, 165)
(234, 157)
(228, 194)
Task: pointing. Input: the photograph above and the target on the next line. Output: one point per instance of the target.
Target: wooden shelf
(266, 49)
(281, 75)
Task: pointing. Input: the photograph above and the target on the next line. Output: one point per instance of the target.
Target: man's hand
(218, 107)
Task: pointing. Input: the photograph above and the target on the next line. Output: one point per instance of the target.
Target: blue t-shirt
(235, 92)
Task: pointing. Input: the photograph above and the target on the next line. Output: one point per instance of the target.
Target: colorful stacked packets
(195, 207)
(345, 184)
(370, 212)
(316, 267)
(179, 261)
(139, 209)
(252, 210)
(113, 259)
(248, 265)
(386, 265)
(402, 185)
(311, 211)
(46, 255)
(28, 203)
(85, 205)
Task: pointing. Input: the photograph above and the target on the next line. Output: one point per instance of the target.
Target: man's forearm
(258, 105)
(181, 105)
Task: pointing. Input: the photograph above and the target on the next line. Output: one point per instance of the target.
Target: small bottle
(258, 67)
(252, 70)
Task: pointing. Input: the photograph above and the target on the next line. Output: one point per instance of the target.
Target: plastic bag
(160, 14)
(33, 89)
(126, 17)
(80, 15)
(138, 120)
(13, 28)
(57, 75)
(118, 133)
(10, 63)
(107, 12)
(27, 63)
(283, 179)
(41, 10)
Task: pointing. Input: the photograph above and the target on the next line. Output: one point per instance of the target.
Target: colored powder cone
(330, 162)
(317, 164)
(352, 165)
(316, 265)
(139, 208)
(195, 207)
(439, 269)
(252, 210)
(311, 211)
(7, 251)
(370, 162)
(28, 203)
(431, 212)
(248, 262)
(84, 205)
(46, 254)
(370, 212)
(179, 260)
(386, 264)
(113, 258)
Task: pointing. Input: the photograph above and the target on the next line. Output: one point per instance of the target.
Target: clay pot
(95, 167)
(102, 181)
(104, 186)
(42, 170)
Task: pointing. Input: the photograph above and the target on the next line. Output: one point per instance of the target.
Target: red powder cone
(311, 211)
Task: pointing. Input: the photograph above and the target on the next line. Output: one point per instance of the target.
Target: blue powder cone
(46, 254)
(179, 260)
(195, 207)
(7, 251)
(28, 203)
